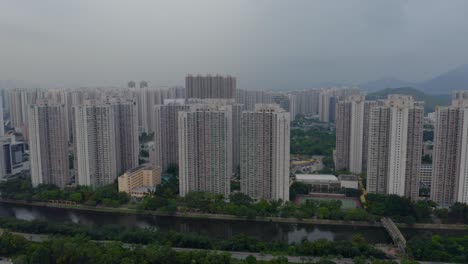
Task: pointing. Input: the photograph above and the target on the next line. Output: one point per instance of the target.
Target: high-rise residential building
(106, 141)
(250, 98)
(236, 111)
(64, 97)
(450, 158)
(157, 96)
(264, 165)
(146, 98)
(395, 147)
(129, 149)
(205, 149)
(328, 99)
(292, 106)
(203, 87)
(19, 102)
(166, 141)
(2, 123)
(95, 144)
(324, 105)
(282, 100)
(306, 102)
(425, 177)
(48, 143)
(352, 120)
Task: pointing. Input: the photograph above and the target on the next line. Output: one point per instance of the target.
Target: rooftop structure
(316, 178)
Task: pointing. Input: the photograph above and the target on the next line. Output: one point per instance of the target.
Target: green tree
(423, 209)
(240, 199)
(298, 188)
(11, 244)
(76, 197)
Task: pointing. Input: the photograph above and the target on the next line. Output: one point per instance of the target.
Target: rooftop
(145, 166)
(316, 177)
(347, 177)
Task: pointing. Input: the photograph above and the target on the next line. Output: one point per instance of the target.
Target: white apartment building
(48, 143)
(264, 153)
(106, 141)
(450, 153)
(165, 132)
(205, 149)
(395, 147)
(352, 127)
(204, 87)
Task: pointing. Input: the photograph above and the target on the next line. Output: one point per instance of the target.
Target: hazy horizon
(265, 44)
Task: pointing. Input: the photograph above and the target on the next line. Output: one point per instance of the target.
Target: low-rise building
(320, 182)
(140, 180)
(12, 161)
(348, 181)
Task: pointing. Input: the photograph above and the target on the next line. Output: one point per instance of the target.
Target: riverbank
(241, 255)
(235, 254)
(193, 215)
(232, 217)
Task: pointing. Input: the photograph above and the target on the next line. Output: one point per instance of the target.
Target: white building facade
(264, 149)
(205, 149)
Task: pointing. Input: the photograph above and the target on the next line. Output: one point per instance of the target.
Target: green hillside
(431, 101)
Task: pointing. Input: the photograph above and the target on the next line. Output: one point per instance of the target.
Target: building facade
(165, 133)
(352, 125)
(204, 87)
(264, 152)
(205, 149)
(450, 166)
(395, 147)
(425, 178)
(48, 144)
(106, 141)
(140, 180)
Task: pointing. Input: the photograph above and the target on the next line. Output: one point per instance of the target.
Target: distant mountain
(386, 82)
(430, 101)
(456, 79)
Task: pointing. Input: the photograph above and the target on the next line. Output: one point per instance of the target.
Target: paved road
(30, 237)
(268, 257)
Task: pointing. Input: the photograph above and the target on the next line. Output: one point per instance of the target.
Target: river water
(267, 231)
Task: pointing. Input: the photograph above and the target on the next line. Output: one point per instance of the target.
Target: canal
(222, 229)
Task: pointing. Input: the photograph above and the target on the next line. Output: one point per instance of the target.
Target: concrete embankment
(122, 210)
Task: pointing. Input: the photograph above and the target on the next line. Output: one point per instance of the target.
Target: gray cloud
(265, 43)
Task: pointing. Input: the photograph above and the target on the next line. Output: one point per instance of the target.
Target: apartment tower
(395, 147)
(205, 149)
(48, 143)
(106, 141)
(166, 141)
(205, 87)
(450, 155)
(264, 149)
(352, 130)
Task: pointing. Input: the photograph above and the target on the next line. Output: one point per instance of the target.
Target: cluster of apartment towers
(384, 138)
(203, 128)
(212, 130)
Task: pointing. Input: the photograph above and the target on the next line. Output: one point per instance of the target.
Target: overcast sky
(264, 43)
